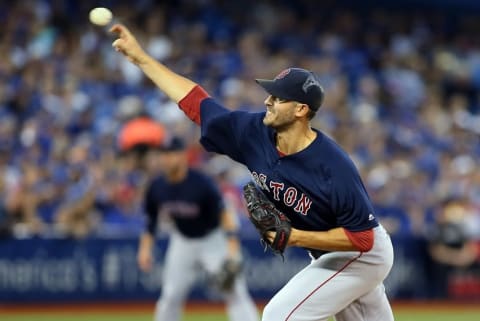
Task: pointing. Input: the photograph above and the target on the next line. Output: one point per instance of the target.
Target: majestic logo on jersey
(282, 74)
(290, 196)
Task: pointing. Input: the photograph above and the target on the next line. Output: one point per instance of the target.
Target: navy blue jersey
(195, 204)
(318, 188)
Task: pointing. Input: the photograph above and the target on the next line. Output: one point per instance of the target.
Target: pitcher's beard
(276, 123)
(268, 118)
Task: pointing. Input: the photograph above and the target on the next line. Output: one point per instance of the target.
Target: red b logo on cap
(282, 74)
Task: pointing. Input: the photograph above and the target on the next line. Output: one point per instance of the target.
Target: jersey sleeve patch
(190, 104)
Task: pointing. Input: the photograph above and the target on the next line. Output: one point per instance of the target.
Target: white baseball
(100, 16)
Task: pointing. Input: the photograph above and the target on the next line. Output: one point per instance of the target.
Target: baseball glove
(225, 278)
(266, 217)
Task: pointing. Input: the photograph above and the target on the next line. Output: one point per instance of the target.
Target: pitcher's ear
(302, 108)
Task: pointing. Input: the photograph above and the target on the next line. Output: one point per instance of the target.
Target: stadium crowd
(401, 97)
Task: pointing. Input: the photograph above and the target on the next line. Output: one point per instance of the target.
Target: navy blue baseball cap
(295, 84)
(173, 144)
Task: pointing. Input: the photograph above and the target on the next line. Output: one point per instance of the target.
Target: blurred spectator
(76, 215)
(451, 243)
(140, 132)
(5, 215)
(24, 202)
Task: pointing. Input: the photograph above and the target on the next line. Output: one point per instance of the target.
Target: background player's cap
(173, 144)
(295, 84)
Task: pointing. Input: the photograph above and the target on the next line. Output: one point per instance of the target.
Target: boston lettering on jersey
(290, 195)
(180, 209)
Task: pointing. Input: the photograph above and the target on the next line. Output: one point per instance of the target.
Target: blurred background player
(203, 234)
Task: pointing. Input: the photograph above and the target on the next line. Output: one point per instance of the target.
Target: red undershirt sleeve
(190, 104)
(362, 240)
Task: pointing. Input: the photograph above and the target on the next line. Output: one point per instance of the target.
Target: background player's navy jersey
(318, 188)
(195, 204)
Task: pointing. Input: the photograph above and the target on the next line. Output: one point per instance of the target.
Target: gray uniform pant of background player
(347, 285)
(183, 260)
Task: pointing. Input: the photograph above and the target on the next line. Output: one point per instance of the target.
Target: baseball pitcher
(317, 197)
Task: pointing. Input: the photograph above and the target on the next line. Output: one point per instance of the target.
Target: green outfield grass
(406, 315)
